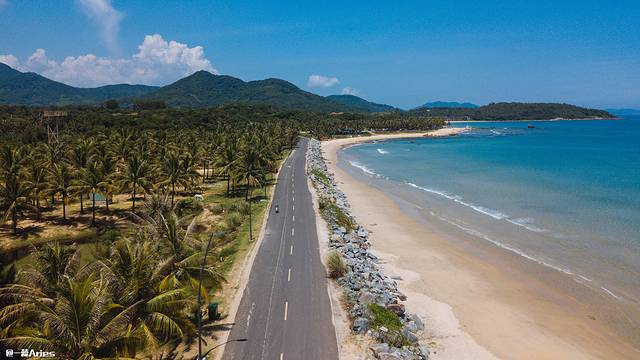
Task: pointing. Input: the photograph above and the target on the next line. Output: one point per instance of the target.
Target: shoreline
(474, 308)
(539, 120)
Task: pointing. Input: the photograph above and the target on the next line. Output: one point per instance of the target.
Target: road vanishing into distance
(285, 312)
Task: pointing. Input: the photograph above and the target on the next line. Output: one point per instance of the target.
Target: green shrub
(323, 203)
(233, 220)
(243, 208)
(217, 209)
(379, 316)
(232, 207)
(188, 206)
(335, 265)
(383, 317)
(332, 211)
(321, 176)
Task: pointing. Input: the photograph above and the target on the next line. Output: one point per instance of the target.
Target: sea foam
(364, 169)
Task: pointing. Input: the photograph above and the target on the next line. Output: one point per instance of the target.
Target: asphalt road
(285, 311)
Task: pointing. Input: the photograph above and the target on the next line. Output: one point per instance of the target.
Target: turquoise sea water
(565, 194)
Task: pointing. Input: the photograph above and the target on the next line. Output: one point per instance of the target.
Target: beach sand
(479, 301)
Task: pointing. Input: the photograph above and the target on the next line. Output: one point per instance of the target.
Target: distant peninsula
(515, 111)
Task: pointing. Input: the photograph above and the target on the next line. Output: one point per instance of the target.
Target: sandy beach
(479, 301)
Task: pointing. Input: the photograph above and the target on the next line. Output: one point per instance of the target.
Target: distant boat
(530, 126)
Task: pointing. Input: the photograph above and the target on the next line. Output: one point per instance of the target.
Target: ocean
(564, 194)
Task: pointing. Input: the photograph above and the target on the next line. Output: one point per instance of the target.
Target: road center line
(292, 231)
(291, 250)
(286, 310)
(289, 276)
(293, 219)
(281, 356)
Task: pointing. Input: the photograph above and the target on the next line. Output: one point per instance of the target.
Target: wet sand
(480, 302)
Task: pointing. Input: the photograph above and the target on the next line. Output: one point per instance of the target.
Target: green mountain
(18, 88)
(447, 104)
(515, 111)
(204, 89)
(360, 103)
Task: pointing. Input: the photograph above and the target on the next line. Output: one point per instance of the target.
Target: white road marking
(292, 231)
(286, 310)
(293, 207)
(281, 356)
(289, 276)
(291, 250)
(293, 219)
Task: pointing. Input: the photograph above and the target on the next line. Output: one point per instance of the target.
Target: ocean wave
(481, 209)
(610, 293)
(581, 279)
(365, 169)
(526, 223)
(510, 248)
(381, 151)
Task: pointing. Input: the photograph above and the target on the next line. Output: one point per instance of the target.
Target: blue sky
(402, 53)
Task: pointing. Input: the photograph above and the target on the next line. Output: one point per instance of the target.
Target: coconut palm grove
(107, 213)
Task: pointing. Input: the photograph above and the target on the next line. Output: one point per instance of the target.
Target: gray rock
(360, 325)
(362, 232)
(411, 325)
(378, 348)
(416, 319)
(390, 356)
(411, 337)
(398, 309)
(425, 351)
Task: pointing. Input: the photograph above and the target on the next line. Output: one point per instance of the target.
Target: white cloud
(350, 91)
(106, 18)
(322, 81)
(157, 62)
(10, 60)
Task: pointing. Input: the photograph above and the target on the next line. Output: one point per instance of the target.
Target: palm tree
(173, 172)
(251, 167)
(37, 181)
(135, 175)
(79, 158)
(226, 159)
(14, 190)
(14, 199)
(108, 166)
(77, 322)
(59, 182)
(138, 278)
(91, 181)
